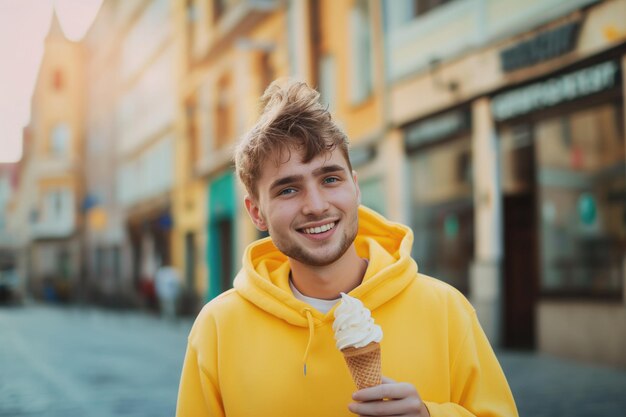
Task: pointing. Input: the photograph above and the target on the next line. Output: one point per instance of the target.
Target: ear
(356, 184)
(255, 213)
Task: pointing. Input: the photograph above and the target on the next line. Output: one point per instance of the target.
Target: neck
(326, 282)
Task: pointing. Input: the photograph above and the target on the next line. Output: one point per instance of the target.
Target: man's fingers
(388, 380)
(387, 390)
(405, 406)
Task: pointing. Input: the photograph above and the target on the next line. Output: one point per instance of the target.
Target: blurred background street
(82, 361)
(89, 362)
(495, 129)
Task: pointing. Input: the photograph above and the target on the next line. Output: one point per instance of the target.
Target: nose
(315, 202)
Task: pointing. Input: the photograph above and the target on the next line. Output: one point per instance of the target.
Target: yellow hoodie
(248, 347)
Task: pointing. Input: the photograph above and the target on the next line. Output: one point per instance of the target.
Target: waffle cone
(364, 364)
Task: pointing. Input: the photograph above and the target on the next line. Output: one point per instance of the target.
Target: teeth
(320, 229)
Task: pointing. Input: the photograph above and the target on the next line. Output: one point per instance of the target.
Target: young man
(266, 347)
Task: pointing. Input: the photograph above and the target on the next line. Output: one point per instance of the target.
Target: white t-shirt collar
(319, 304)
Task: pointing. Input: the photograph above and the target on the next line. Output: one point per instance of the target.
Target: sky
(24, 25)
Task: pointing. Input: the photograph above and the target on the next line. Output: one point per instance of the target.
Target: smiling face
(310, 209)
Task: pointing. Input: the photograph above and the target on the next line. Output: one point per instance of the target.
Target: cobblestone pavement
(85, 362)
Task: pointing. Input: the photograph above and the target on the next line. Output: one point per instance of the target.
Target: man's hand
(390, 398)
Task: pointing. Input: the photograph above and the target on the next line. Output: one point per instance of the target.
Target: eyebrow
(285, 180)
(326, 169)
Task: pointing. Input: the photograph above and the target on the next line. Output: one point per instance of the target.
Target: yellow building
(232, 51)
(349, 67)
(131, 137)
(109, 261)
(46, 217)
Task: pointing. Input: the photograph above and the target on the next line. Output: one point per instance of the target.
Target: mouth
(317, 230)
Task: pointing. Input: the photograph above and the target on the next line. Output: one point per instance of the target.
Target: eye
(331, 180)
(287, 191)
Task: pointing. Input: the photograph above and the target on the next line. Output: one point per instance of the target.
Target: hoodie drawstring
(309, 318)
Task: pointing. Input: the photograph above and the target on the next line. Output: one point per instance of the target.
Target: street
(88, 362)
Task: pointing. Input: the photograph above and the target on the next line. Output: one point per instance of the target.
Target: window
(56, 206)
(60, 139)
(327, 83)
(223, 113)
(580, 159)
(361, 82)
(58, 81)
(191, 15)
(191, 11)
(219, 6)
(443, 210)
(266, 69)
(193, 134)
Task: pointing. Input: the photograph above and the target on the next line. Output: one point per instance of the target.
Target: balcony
(50, 166)
(53, 230)
(238, 17)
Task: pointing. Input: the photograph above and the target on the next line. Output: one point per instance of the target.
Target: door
(520, 270)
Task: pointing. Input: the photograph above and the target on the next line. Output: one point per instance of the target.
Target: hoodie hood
(264, 278)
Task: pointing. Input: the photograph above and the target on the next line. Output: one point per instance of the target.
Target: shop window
(581, 195)
(100, 262)
(63, 264)
(443, 211)
(116, 254)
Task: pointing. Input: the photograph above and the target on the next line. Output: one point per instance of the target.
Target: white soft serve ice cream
(354, 325)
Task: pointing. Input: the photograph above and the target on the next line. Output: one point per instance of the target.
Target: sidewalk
(546, 386)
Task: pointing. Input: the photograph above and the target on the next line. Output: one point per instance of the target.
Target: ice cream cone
(364, 364)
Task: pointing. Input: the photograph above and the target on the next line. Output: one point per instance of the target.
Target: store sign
(545, 46)
(436, 128)
(555, 90)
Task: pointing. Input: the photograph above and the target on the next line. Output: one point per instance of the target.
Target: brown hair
(292, 119)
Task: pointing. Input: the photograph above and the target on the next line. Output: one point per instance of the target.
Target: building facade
(130, 151)
(232, 51)
(513, 123)
(11, 284)
(494, 128)
(45, 215)
(443, 105)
